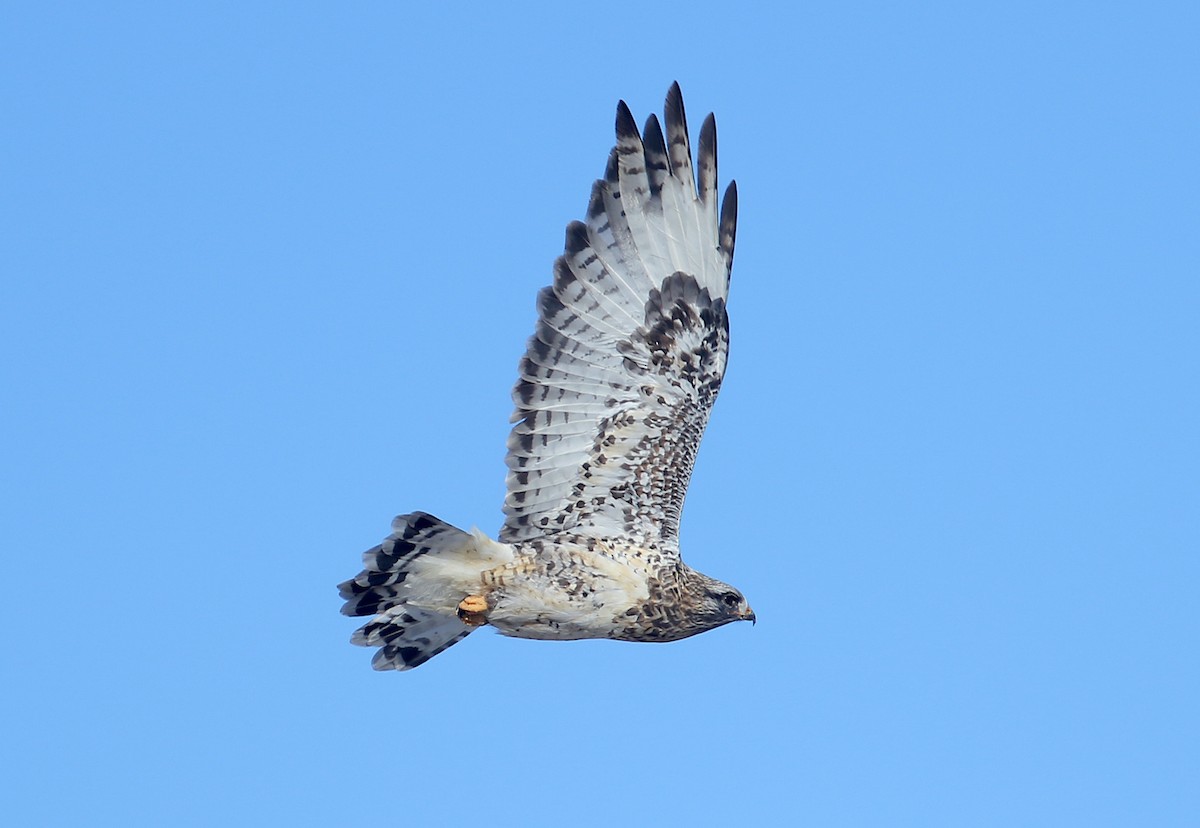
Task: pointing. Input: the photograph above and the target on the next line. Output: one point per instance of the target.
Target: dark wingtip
(596, 200)
(728, 232)
(674, 104)
(611, 169)
(658, 165)
(679, 147)
(626, 126)
(707, 158)
(652, 131)
(577, 238)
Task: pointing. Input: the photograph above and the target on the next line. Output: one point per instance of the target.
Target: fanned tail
(412, 583)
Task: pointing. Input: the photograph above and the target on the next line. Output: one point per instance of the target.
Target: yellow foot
(472, 609)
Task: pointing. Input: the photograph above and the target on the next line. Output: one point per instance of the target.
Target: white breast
(566, 594)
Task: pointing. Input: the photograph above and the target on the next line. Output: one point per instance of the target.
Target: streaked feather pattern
(612, 397)
(630, 346)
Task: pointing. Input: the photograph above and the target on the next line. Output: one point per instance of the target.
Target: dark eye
(731, 599)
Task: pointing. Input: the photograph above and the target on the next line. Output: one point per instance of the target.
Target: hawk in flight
(614, 391)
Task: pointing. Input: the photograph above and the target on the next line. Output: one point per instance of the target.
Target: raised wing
(631, 341)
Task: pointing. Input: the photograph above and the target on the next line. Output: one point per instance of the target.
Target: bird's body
(613, 396)
(566, 588)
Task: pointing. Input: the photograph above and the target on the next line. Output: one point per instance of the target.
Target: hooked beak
(748, 615)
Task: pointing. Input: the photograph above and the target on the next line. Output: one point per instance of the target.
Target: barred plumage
(612, 398)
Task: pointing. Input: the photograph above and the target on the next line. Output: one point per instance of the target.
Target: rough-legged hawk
(613, 395)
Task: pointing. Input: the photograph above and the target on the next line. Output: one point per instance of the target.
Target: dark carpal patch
(673, 364)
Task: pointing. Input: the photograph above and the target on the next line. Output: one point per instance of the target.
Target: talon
(472, 610)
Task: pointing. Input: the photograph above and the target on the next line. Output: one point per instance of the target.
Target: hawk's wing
(618, 380)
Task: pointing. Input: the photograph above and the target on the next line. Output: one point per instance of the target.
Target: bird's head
(719, 603)
(682, 603)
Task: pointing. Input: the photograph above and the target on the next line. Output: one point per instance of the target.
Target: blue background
(268, 269)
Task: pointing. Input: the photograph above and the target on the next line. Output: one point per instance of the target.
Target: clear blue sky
(267, 272)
